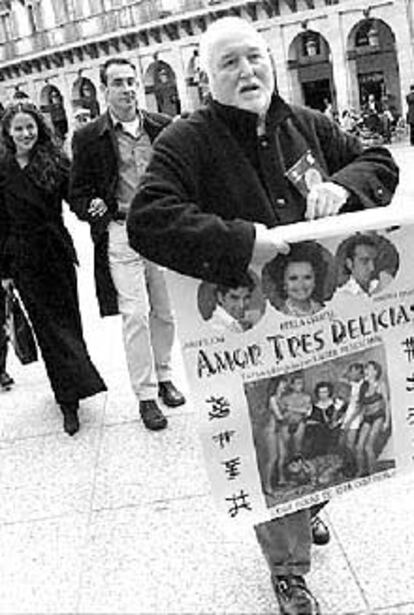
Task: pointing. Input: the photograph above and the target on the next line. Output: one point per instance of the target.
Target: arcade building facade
(323, 50)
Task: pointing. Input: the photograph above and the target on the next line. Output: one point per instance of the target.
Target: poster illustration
(303, 375)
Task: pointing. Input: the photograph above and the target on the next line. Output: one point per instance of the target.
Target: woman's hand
(97, 208)
(7, 284)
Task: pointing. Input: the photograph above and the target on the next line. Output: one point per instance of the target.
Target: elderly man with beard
(219, 180)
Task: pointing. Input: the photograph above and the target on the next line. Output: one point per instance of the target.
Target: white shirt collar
(223, 320)
(133, 127)
(354, 288)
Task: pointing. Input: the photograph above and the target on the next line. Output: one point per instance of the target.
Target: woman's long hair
(303, 251)
(47, 162)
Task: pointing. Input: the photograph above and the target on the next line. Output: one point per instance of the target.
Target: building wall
(61, 25)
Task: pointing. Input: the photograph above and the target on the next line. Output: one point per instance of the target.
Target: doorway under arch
(161, 88)
(373, 65)
(197, 82)
(310, 67)
(51, 105)
(84, 96)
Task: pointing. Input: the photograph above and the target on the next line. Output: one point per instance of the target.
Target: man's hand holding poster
(304, 374)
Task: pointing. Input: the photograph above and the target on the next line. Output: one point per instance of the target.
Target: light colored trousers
(147, 318)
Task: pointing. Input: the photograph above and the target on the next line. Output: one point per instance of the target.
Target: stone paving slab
(137, 466)
(170, 558)
(374, 529)
(47, 476)
(40, 565)
(397, 609)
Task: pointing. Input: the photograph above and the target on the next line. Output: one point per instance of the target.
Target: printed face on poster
(304, 375)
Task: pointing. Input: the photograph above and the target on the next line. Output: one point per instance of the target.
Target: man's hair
(355, 242)
(301, 252)
(323, 384)
(103, 71)
(357, 366)
(218, 27)
(377, 367)
(246, 283)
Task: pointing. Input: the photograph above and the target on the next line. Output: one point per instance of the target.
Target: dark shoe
(320, 531)
(70, 418)
(294, 597)
(6, 381)
(151, 415)
(170, 395)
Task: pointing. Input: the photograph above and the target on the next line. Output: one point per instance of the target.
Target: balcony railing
(96, 27)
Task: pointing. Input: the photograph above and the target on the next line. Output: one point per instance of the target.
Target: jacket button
(280, 203)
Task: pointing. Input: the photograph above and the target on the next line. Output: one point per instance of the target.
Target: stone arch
(373, 64)
(84, 96)
(161, 88)
(310, 68)
(51, 105)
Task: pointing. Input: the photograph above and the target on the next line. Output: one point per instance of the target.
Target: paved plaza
(119, 520)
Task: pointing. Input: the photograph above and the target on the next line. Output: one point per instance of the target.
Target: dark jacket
(94, 173)
(410, 103)
(32, 231)
(211, 177)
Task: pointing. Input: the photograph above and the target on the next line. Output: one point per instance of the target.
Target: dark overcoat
(94, 173)
(211, 177)
(37, 251)
(410, 103)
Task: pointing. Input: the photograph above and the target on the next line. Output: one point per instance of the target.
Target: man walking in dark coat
(109, 156)
(216, 184)
(410, 113)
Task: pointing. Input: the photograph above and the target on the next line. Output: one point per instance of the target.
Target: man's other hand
(97, 208)
(325, 199)
(7, 284)
(266, 247)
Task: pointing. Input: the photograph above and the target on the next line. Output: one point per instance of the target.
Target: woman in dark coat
(37, 254)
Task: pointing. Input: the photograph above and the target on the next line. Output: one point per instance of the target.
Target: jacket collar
(151, 122)
(244, 123)
(108, 122)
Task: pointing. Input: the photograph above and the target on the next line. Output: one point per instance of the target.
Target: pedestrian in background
(37, 253)
(6, 381)
(410, 113)
(109, 156)
(81, 117)
(219, 180)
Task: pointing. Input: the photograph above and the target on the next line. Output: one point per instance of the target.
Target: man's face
(299, 281)
(323, 393)
(241, 73)
(298, 385)
(355, 374)
(120, 90)
(235, 301)
(362, 265)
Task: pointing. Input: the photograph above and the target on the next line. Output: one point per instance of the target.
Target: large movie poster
(304, 375)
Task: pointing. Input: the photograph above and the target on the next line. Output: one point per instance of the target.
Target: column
(333, 32)
(278, 46)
